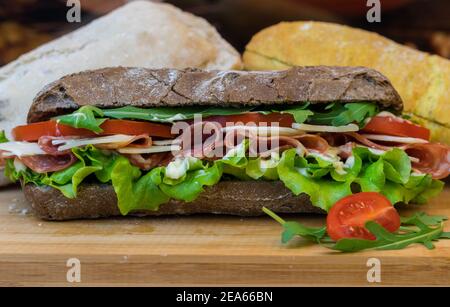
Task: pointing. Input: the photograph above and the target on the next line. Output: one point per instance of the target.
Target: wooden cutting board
(198, 250)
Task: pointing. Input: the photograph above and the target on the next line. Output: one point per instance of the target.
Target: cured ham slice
(432, 158)
(48, 163)
(46, 144)
(147, 162)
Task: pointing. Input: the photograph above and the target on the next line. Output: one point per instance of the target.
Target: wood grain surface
(197, 250)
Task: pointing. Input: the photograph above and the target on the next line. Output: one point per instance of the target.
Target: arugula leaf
(90, 117)
(426, 229)
(428, 220)
(169, 114)
(299, 112)
(343, 114)
(84, 117)
(388, 241)
(292, 229)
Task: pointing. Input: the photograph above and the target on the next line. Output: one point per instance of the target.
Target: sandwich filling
(152, 155)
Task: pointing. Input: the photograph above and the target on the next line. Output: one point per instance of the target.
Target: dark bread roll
(141, 87)
(227, 197)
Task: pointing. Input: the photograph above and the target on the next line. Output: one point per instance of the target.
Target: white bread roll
(140, 33)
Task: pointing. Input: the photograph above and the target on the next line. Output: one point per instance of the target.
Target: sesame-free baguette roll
(423, 80)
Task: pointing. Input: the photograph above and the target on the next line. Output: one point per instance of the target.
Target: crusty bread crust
(119, 86)
(227, 197)
(423, 80)
(140, 33)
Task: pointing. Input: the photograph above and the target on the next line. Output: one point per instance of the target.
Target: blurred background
(421, 24)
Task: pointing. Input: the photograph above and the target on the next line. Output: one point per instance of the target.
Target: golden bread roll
(423, 80)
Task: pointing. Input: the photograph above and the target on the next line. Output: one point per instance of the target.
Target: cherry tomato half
(346, 219)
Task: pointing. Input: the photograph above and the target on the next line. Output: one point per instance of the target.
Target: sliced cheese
(146, 150)
(263, 131)
(21, 149)
(322, 128)
(71, 143)
(395, 139)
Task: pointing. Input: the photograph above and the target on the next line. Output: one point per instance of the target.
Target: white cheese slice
(395, 139)
(151, 149)
(71, 143)
(21, 149)
(322, 128)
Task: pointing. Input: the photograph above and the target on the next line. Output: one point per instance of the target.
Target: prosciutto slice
(147, 162)
(433, 158)
(48, 163)
(45, 142)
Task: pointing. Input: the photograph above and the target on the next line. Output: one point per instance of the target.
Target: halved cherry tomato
(283, 120)
(348, 216)
(397, 127)
(32, 132)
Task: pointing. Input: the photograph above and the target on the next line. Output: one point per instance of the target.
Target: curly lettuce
(325, 180)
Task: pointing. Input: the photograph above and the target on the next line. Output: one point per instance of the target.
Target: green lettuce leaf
(136, 192)
(321, 177)
(193, 184)
(343, 114)
(3, 138)
(84, 117)
(322, 192)
(90, 117)
(170, 114)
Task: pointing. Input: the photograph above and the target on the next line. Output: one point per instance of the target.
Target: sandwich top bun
(423, 80)
(141, 33)
(143, 87)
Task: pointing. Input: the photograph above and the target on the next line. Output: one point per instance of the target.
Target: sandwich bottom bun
(227, 197)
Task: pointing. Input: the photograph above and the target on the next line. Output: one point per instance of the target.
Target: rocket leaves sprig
(419, 228)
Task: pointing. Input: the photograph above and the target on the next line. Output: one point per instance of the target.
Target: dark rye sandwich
(119, 141)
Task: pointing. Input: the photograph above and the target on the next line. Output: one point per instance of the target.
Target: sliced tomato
(348, 216)
(397, 127)
(32, 132)
(283, 120)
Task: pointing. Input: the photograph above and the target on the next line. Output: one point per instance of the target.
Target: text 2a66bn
(253, 296)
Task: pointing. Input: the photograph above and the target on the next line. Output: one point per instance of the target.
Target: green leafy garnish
(3, 138)
(313, 175)
(170, 115)
(419, 228)
(386, 240)
(85, 117)
(424, 218)
(291, 229)
(90, 117)
(343, 114)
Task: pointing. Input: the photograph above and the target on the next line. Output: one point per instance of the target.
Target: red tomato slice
(348, 216)
(32, 132)
(396, 127)
(283, 120)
